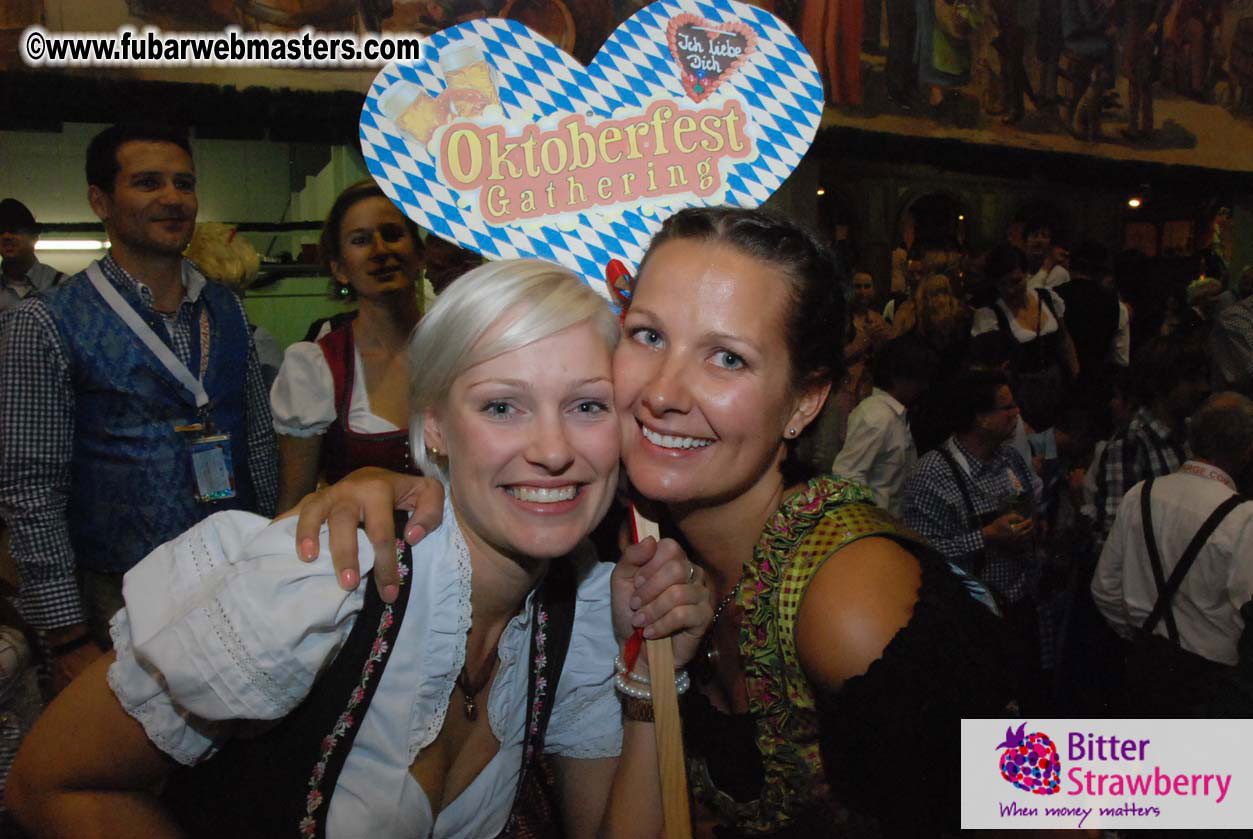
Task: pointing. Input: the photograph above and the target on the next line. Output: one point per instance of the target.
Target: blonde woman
(418, 717)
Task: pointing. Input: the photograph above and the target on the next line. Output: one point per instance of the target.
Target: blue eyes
(724, 359)
(647, 337)
(497, 409)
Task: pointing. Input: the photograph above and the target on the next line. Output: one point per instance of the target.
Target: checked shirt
(1147, 447)
(37, 397)
(934, 507)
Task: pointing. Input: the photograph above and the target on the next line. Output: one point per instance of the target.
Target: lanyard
(149, 338)
(1204, 470)
(1014, 482)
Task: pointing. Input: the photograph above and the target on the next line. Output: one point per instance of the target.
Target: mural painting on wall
(1167, 81)
(1161, 80)
(496, 141)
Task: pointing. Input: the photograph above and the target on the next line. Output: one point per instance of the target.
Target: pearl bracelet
(681, 679)
(620, 666)
(629, 687)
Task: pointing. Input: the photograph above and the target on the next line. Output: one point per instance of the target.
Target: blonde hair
(223, 256)
(933, 286)
(536, 298)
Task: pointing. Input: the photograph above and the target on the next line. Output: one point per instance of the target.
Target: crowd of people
(874, 525)
(1031, 422)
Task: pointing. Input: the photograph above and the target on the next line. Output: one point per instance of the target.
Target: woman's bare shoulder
(854, 605)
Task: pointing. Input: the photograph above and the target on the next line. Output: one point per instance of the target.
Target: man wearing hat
(20, 272)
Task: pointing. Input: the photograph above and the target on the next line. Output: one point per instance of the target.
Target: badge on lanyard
(211, 464)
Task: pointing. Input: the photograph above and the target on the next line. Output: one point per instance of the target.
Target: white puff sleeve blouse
(224, 624)
(302, 398)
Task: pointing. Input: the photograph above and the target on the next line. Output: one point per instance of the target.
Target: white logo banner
(1110, 774)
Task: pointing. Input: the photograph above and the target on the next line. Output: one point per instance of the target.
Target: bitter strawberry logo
(1030, 761)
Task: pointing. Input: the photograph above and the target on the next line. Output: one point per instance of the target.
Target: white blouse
(225, 625)
(985, 319)
(302, 398)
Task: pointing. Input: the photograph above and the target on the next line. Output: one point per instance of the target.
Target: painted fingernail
(389, 593)
(635, 603)
(308, 548)
(415, 533)
(348, 579)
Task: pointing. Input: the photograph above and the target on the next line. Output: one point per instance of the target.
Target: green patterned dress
(869, 760)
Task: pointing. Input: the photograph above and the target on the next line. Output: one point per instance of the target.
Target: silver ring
(691, 571)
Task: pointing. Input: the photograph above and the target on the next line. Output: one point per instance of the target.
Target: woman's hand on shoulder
(656, 587)
(368, 496)
(856, 603)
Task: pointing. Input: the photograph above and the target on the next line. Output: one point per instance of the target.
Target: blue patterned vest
(131, 481)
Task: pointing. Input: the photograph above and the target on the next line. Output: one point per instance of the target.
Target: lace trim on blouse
(424, 731)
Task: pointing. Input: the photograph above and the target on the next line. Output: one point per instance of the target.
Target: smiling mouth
(667, 441)
(543, 495)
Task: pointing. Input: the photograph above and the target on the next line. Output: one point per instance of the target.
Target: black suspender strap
(1047, 299)
(1167, 591)
(961, 481)
(552, 625)
(959, 476)
(1155, 560)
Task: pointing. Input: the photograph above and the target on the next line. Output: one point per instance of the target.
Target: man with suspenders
(974, 498)
(1177, 567)
(1174, 373)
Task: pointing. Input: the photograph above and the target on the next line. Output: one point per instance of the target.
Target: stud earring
(791, 432)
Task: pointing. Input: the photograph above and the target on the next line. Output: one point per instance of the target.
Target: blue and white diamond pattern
(779, 87)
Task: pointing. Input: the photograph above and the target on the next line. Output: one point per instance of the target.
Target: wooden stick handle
(666, 724)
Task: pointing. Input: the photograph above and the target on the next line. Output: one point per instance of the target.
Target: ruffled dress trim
(780, 703)
(803, 740)
(445, 640)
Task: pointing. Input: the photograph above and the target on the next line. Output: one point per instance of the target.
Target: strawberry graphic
(1030, 762)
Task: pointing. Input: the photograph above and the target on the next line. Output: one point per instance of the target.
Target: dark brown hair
(815, 320)
(328, 242)
(972, 393)
(102, 164)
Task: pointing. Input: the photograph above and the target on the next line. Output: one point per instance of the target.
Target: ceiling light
(1134, 203)
(71, 245)
(821, 191)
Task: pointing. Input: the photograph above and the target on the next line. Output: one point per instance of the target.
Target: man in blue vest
(131, 401)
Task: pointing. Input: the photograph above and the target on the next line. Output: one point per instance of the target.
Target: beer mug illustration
(470, 79)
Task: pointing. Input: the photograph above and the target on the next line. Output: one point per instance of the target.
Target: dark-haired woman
(841, 642)
(843, 651)
(1031, 323)
(343, 402)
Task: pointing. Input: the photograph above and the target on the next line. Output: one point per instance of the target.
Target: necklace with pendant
(469, 690)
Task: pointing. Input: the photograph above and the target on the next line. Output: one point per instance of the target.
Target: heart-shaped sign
(707, 52)
(500, 142)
